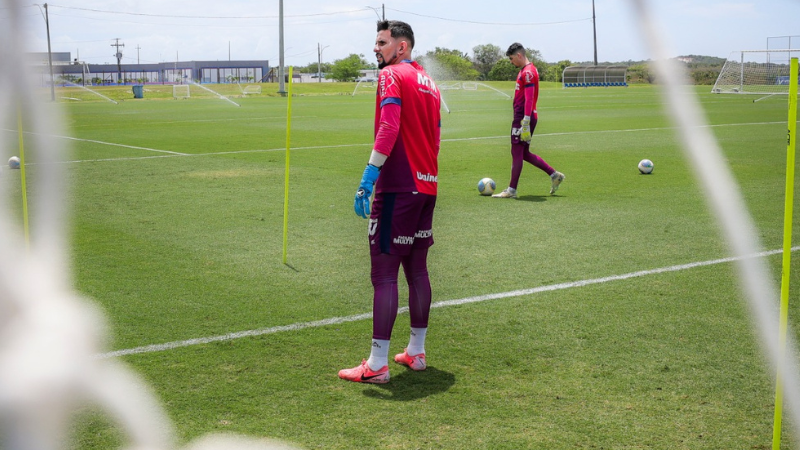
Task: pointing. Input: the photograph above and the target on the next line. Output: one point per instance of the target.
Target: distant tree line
(489, 63)
(702, 70)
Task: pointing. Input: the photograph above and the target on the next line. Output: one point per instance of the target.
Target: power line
(155, 23)
(490, 23)
(325, 14)
(207, 17)
(239, 25)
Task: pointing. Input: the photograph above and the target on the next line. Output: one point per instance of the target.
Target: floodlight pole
(50, 55)
(319, 62)
(281, 85)
(594, 30)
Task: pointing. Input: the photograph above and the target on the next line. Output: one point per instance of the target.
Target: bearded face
(388, 49)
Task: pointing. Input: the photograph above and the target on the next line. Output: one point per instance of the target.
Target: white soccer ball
(486, 186)
(646, 166)
(13, 162)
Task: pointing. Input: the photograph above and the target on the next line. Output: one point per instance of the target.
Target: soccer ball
(646, 166)
(486, 186)
(13, 162)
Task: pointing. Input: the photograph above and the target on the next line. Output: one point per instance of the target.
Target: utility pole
(50, 55)
(381, 16)
(319, 62)
(137, 53)
(594, 28)
(281, 82)
(118, 54)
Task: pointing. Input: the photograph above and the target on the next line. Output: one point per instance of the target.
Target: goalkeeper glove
(526, 129)
(361, 204)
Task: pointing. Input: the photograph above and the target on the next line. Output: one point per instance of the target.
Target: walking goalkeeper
(526, 95)
(403, 170)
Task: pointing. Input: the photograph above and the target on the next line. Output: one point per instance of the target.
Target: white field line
(233, 152)
(173, 122)
(70, 138)
(442, 304)
(630, 130)
(169, 154)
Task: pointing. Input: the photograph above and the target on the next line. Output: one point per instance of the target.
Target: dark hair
(397, 29)
(516, 47)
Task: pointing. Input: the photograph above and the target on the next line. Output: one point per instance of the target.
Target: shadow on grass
(408, 385)
(534, 198)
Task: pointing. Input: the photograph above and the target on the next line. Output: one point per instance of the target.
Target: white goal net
(764, 72)
(180, 91)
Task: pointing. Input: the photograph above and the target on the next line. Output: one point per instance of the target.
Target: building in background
(66, 70)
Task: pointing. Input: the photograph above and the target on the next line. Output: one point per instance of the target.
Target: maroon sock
(415, 267)
(384, 301)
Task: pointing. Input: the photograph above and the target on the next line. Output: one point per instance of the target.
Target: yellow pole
(26, 228)
(787, 251)
(286, 175)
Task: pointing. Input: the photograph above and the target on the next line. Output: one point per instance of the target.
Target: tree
(705, 76)
(640, 73)
(311, 67)
(485, 57)
(348, 69)
(445, 64)
(503, 70)
(555, 71)
(535, 56)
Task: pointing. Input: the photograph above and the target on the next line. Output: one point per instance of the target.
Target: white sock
(416, 343)
(379, 355)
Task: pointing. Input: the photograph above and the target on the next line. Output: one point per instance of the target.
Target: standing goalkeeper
(405, 155)
(525, 118)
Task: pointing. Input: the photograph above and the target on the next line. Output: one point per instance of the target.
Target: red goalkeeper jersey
(407, 129)
(527, 92)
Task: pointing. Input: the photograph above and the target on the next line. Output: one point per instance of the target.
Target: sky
(154, 31)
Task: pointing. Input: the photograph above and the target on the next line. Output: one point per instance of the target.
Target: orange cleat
(363, 374)
(415, 362)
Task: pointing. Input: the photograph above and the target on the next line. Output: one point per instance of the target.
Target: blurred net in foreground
(49, 335)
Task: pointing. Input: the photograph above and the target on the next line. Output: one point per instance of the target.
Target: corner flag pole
(26, 228)
(787, 251)
(286, 175)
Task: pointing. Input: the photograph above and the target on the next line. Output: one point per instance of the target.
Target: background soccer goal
(180, 91)
(764, 72)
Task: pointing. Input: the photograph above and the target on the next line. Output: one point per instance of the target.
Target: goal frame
(251, 89)
(760, 72)
(176, 94)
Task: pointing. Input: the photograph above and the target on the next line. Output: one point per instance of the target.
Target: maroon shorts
(401, 221)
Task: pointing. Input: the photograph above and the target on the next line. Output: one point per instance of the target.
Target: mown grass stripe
(476, 299)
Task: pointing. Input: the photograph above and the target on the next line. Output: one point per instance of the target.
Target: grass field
(177, 234)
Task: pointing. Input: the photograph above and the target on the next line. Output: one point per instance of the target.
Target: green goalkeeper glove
(526, 129)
